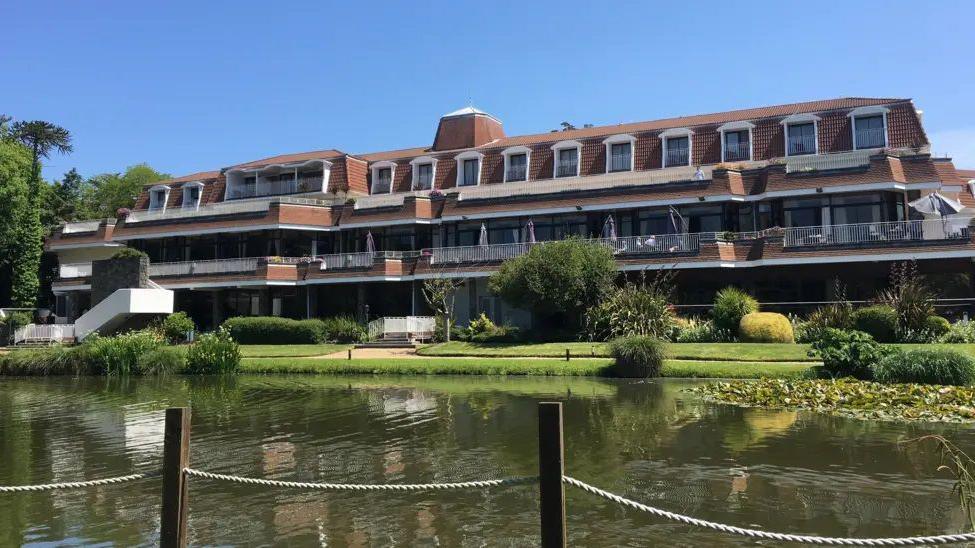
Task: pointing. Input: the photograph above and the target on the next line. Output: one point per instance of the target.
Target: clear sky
(195, 85)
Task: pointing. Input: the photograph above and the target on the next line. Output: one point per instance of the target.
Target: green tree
(106, 193)
(61, 201)
(15, 165)
(557, 280)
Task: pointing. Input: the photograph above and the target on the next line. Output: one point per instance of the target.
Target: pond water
(650, 441)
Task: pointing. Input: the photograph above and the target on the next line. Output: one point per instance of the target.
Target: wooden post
(176, 457)
(566, 354)
(551, 468)
(350, 353)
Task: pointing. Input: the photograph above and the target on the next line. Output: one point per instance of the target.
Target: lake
(651, 441)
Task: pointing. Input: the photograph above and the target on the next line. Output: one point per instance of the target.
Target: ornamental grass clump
(926, 366)
(630, 310)
(213, 353)
(343, 329)
(162, 361)
(119, 355)
(730, 306)
(637, 357)
(765, 327)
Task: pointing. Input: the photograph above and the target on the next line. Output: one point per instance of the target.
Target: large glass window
(384, 181)
(517, 167)
(870, 131)
(470, 172)
(736, 146)
(678, 151)
(424, 177)
(703, 218)
(802, 139)
(858, 208)
(804, 211)
(620, 157)
(568, 163)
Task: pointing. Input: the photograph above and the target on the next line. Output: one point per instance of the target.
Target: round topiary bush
(637, 357)
(926, 366)
(936, 325)
(879, 321)
(730, 306)
(765, 327)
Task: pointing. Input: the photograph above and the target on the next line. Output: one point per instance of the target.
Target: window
(802, 139)
(424, 172)
(677, 151)
(566, 155)
(158, 196)
(517, 168)
(191, 195)
(619, 153)
(804, 211)
(469, 168)
(383, 182)
(470, 172)
(869, 132)
(737, 146)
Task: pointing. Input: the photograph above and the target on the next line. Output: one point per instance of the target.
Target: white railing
(870, 138)
(655, 244)
(74, 270)
(382, 186)
(873, 233)
(801, 144)
(620, 162)
(213, 266)
(81, 226)
(516, 173)
(409, 327)
(737, 152)
(390, 200)
(423, 182)
(339, 261)
(220, 208)
(567, 169)
(478, 253)
(677, 157)
(276, 188)
(48, 333)
(839, 160)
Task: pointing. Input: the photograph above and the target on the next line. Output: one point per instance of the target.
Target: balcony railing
(423, 182)
(737, 152)
(818, 162)
(276, 188)
(802, 144)
(382, 186)
(516, 173)
(655, 244)
(79, 227)
(340, 261)
(195, 268)
(871, 138)
(220, 208)
(74, 270)
(880, 233)
(677, 157)
(567, 169)
(620, 162)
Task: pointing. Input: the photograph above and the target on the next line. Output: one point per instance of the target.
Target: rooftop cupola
(466, 128)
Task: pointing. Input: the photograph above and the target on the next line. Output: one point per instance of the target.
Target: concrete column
(265, 300)
(217, 310)
(360, 301)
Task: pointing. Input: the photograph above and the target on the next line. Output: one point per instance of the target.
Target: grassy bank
(289, 350)
(513, 366)
(753, 352)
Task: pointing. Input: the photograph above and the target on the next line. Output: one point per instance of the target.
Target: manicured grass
(513, 366)
(758, 352)
(964, 348)
(289, 350)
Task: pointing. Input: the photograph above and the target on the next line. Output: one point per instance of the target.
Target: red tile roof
(966, 173)
(326, 154)
(201, 176)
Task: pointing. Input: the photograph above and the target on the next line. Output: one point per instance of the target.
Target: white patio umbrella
(483, 239)
(609, 229)
(936, 204)
(370, 243)
(530, 232)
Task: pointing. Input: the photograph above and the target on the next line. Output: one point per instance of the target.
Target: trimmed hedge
(273, 330)
(638, 356)
(342, 329)
(765, 327)
(880, 322)
(926, 366)
(936, 325)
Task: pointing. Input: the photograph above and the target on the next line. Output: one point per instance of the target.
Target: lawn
(515, 366)
(757, 352)
(289, 350)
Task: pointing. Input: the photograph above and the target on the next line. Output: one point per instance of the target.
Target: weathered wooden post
(551, 468)
(566, 354)
(176, 457)
(350, 353)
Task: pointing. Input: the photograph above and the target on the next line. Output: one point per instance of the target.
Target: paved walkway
(367, 353)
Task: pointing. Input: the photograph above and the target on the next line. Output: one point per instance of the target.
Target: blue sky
(190, 86)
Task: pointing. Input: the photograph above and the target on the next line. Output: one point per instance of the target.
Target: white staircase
(120, 306)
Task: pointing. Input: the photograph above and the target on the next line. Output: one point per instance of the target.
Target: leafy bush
(926, 366)
(765, 327)
(730, 306)
(128, 253)
(213, 353)
(163, 360)
(637, 357)
(343, 329)
(482, 329)
(693, 330)
(119, 355)
(909, 296)
(936, 326)
(879, 321)
(630, 310)
(18, 319)
(959, 332)
(838, 315)
(848, 353)
(273, 330)
(57, 360)
(175, 327)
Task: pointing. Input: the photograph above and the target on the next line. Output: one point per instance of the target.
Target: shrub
(119, 355)
(766, 327)
(730, 306)
(926, 366)
(637, 357)
(128, 253)
(175, 327)
(879, 321)
(19, 319)
(848, 353)
(959, 332)
(273, 330)
(482, 330)
(694, 330)
(936, 326)
(163, 360)
(630, 310)
(213, 353)
(57, 360)
(343, 329)
(909, 296)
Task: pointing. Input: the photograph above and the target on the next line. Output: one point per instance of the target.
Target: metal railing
(802, 144)
(47, 333)
(212, 266)
(276, 188)
(620, 162)
(81, 226)
(478, 253)
(677, 157)
(423, 182)
(382, 186)
(339, 261)
(516, 173)
(74, 270)
(655, 244)
(873, 233)
(221, 208)
(839, 160)
(567, 169)
(409, 327)
(871, 138)
(737, 152)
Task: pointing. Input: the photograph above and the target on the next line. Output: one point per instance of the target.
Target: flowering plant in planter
(122, 212)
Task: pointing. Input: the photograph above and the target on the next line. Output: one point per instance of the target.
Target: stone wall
(109, 275)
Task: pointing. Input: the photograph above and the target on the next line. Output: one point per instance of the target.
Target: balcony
(382, 186)
(275, 188)
(871, 138)
(219, 209)
(345, 261)
(821, 162)
(80, 227)
(737, 152)
(516, 173)
(567, 169)
(677, 157)
(802, 144)
(620, 162)
(205, 267)
(74, 270)
(423, 182)
(875, 234)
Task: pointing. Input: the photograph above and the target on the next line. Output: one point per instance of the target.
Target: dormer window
(736, 141)
(382, 177)
(191, 194)
(869, 127)
(801, 132)
(516, 164)
(567, 158)
(158, 196)
(676, 147)
(424, 172)
(619, 153)
(469, 168)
